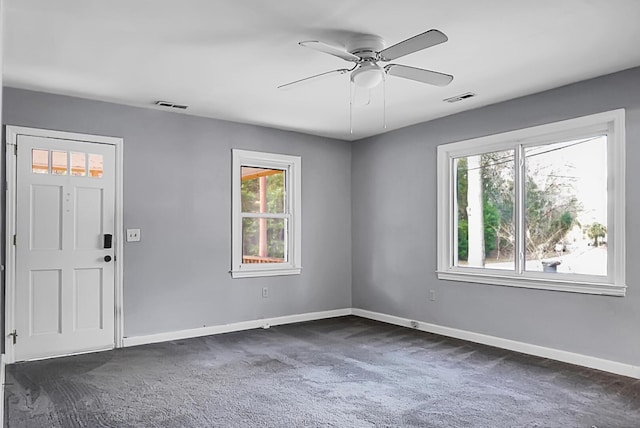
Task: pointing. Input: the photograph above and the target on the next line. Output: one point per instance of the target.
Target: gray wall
(177, 189)
(394, 223)
(379, 193)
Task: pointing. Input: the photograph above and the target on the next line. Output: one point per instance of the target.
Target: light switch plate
(133, 235)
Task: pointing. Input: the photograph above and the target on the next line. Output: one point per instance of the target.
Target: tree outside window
(564, 190)
(541, 207)
(263, 191)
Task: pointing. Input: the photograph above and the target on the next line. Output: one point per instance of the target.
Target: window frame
(293, 207)
(612, 124)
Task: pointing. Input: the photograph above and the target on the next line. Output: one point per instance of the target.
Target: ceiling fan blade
(414, 44)
(331, 50)
(313, 78)
(419, 74)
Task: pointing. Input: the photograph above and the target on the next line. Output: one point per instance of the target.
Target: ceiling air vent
(171, 105)
(460, 97)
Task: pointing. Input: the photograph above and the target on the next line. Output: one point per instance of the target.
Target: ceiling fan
(366, 51)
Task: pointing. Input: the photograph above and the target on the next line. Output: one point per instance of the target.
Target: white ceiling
(225, 58)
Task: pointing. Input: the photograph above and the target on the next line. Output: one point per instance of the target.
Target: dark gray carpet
(342, 372)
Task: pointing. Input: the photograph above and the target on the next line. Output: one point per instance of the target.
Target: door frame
(12, 133)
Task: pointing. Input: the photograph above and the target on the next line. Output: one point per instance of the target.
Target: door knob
(107, 258)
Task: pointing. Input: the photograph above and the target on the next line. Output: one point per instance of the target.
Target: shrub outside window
(541, 207)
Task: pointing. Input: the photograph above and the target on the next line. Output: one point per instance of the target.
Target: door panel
(46, 212)
(88, 290)
(88, 218)
(45, 302)
(65, 204)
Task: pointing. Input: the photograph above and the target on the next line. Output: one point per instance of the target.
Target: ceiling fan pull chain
(351, 92)
(384, 100)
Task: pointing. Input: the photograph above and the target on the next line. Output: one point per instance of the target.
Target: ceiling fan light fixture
(368, 75)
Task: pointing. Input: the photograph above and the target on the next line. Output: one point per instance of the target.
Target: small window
(59, 163)
(40, 161)
(78, 164)
(95, 166)
(541, 207)
(266, 214)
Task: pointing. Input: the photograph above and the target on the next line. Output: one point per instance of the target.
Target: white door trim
(12, 133)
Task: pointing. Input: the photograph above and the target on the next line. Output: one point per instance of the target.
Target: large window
(541, 207)
(266, 214)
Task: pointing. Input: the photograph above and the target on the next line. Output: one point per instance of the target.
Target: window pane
(484, 205)
(59, 163)
(95, 166)
(78, 164)
(566, 207)
(263, 240)
(40, 161)
(263, 190)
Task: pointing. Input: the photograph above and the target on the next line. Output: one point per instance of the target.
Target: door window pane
(263, 240)
(95, 166)
(59, 163)
(263, 190)
(40, 161)
(566, 207)
(485, 210)
(78, 164)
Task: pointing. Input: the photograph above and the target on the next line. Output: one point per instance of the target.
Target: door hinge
(15, 335)
(15, 239)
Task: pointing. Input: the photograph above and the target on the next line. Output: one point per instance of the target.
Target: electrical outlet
(265, 292)
(432, 295)
(133, 235)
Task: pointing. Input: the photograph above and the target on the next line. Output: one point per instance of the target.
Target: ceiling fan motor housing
(366, 46)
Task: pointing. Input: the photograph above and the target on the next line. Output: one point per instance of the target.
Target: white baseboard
(512, 345)
(238, 326)
(498, 342)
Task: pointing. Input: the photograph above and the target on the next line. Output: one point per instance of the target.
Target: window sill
(254, 273)
(535, 283)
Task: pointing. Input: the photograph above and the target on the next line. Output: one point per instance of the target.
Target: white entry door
(64, 247)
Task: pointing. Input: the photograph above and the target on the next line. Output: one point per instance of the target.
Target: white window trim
(292, 166)
(614, 283)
